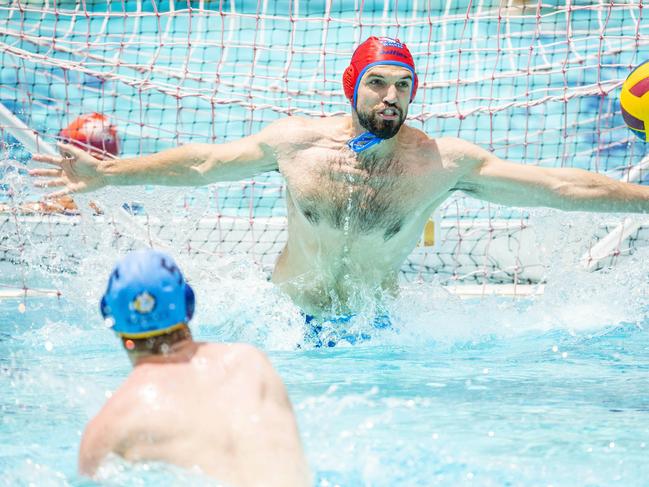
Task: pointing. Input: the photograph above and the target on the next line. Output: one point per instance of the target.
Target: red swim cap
(92, 132)
(377, 51)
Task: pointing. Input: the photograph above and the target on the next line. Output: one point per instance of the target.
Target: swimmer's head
(146, 299)
(380, 82)
(94, 133)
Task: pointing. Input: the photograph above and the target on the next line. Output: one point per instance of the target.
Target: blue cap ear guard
(190, 302)
(147, 296)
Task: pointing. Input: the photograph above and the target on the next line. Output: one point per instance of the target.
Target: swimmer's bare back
(224, 411)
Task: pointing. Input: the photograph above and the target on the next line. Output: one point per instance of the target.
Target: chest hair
(359, 196)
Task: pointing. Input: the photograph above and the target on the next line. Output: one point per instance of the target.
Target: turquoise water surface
(551, 390)
(537, 392)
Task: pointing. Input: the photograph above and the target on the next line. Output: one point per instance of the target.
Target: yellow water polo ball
(634, 101)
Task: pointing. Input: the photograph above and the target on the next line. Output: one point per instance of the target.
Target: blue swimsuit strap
(363, 142)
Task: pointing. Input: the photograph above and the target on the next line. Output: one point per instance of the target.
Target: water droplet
(22, 307)
(332, 388)
(555, 348)
(564, 355)
(611, 445)
(108, 394)
(48, 346)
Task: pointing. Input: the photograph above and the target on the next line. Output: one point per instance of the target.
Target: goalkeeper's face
(382, 100)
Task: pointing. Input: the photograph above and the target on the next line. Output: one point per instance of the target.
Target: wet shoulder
(115, 419)
(130, 415)
(458, 153)
(236, 357)
(423, 150)
(444, 159)
(249, 371)
(296, 131)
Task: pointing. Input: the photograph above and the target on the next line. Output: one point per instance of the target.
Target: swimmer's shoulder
(414, 137)
(286, 123)
(108, 432)
(460, 150)
(418, 138)
(304, 130)
(289, 129)
(452, 152)
(124, 402)
(235, 356)
(248, 365)
(422, 148)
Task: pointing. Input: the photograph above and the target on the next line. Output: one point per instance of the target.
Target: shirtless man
(218, 407)
(360, 188)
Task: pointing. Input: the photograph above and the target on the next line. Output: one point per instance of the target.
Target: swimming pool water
(549, 391)
(546, 391)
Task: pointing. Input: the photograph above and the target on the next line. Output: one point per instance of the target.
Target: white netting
(536, 83)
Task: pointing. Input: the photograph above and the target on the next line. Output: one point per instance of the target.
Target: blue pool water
(545, 391)
(538, 392)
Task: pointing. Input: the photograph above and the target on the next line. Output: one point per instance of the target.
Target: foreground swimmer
(360, 188)
(220, 408)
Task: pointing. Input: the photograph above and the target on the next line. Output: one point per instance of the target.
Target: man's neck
(181, 351)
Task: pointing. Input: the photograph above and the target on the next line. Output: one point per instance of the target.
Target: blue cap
(147, 295)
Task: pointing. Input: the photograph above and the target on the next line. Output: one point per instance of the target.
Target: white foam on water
(574, 301)
(117, 471)
(237, 302)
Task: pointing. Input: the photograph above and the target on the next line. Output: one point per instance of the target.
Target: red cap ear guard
(376, 51)
(349, 81)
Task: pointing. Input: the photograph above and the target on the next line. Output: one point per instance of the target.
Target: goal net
(534, 82)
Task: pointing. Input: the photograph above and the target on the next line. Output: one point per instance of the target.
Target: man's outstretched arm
(492, 179)
(190, 165)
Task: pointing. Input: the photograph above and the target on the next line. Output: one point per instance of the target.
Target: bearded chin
(385, 129)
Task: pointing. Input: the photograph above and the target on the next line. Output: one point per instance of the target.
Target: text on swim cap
(392, 52)
(387, 41)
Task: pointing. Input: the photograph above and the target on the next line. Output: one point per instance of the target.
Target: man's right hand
(76, 171)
